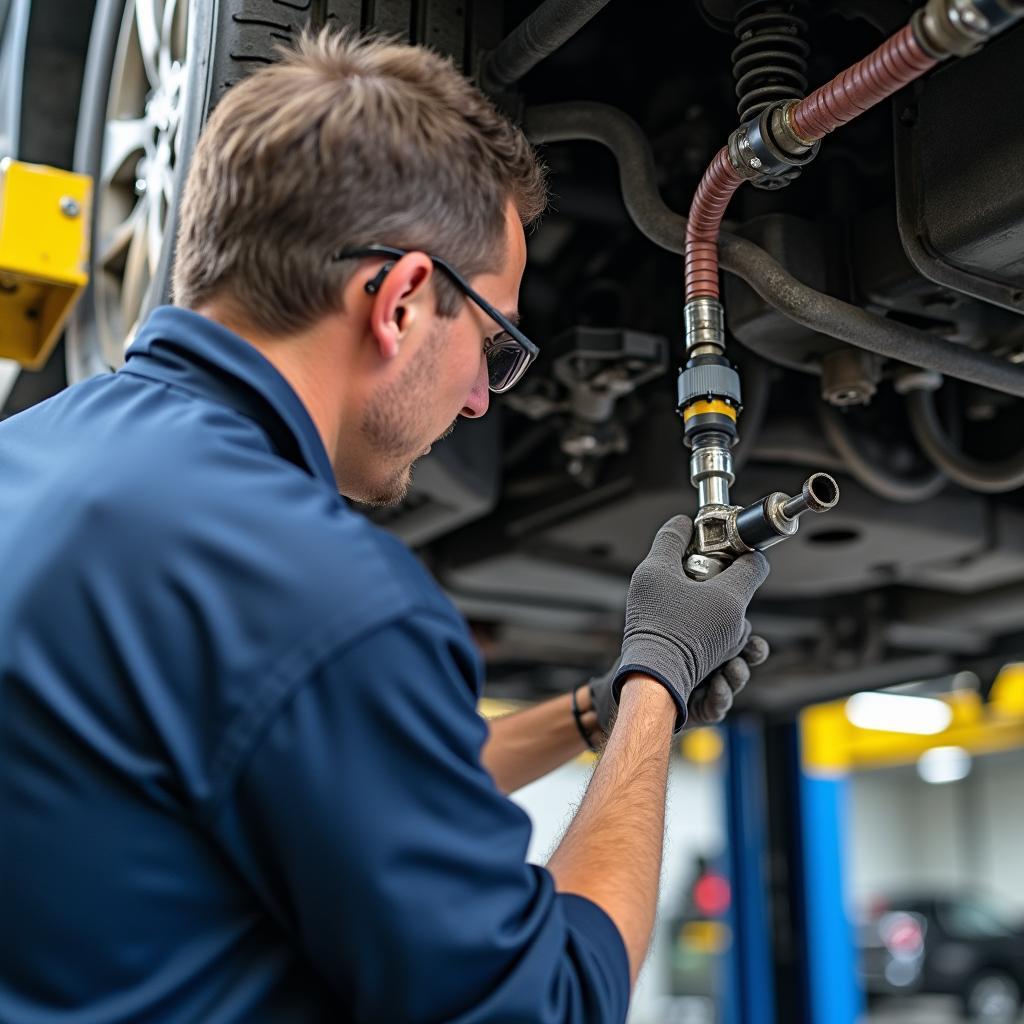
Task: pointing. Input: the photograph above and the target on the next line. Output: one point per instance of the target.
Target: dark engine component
(807, 251)
(958, 174)
(599, 367)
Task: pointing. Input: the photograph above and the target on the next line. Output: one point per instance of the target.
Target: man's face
(439, 375)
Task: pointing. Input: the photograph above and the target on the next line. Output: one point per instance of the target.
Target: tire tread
(249, 32)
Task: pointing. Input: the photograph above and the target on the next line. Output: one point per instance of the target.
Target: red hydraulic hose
(712, 197)
(897, 62)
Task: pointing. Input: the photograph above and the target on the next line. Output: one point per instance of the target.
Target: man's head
(345, 143)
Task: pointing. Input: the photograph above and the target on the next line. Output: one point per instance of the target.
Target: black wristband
(578, 718)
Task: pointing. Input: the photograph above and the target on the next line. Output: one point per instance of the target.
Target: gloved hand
(679, 630)
(711, 699)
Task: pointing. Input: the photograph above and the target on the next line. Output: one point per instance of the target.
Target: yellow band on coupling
(714, 406)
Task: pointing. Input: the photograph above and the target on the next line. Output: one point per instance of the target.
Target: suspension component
(780, 134)
(769, 64)
(722, 532)
(786, 132)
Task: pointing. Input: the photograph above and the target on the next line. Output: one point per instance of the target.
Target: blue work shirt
(240, 773)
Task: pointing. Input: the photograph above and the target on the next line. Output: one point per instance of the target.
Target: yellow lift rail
(44, 252)
(832, 745)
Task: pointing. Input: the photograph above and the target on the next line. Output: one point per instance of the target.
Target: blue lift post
(834, 994)
(816, 880)
(749, 995)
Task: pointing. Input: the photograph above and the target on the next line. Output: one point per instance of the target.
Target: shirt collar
(180, 347)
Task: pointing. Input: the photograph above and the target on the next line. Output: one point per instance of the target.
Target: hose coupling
(711, 470)
(709, 400)
(947, 28)
(705, 326)
(723, 532)
(768, 145)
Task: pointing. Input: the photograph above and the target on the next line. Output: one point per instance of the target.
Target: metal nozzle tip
(820, 492)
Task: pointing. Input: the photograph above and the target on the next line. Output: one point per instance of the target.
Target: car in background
(960, 946)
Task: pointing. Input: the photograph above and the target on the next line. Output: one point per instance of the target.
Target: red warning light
(711, 895)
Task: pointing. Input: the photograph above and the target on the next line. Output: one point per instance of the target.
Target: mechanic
(242, 773)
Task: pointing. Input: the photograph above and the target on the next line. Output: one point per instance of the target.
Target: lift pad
(44, 251)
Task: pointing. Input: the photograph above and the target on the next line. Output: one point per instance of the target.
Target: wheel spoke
(167, 185)
(112, 246)
(147, 23)
(136, 274)
(136, 180)
(154, 229)
(167, 41)
(122, 138)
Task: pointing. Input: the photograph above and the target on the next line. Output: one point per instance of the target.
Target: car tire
(993, 997)
(137, 131)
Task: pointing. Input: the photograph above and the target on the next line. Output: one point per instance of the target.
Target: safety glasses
(509, 353)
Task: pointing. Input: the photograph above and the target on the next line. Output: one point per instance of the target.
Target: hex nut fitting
(948, 28)
(703, 567)
(767, 146)
(704, 320)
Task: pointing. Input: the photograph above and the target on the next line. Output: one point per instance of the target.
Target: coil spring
(769, 62)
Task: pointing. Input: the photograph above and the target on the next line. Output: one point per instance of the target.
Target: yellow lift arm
(44, 256)
(832, 745)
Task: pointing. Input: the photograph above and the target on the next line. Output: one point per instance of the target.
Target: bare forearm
(528, 744)
(612, 851)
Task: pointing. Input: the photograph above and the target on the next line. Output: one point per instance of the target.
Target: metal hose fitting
(947, 28)
(767, 148)
(711, 470)
(723, 532)
(704, 320)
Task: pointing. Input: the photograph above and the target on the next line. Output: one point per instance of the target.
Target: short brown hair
(346, 141)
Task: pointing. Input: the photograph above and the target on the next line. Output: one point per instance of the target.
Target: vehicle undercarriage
(874, 309)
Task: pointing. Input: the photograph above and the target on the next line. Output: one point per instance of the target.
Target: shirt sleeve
(367, 824)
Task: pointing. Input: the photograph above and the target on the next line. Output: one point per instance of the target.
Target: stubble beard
(390, 426)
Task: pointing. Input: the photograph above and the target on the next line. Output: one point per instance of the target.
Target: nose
(479, 398)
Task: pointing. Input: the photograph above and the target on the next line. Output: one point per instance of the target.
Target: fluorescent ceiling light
(893, 712)
(944, 764)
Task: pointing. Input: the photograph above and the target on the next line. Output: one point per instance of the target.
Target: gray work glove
(711, 699)
(679, 630)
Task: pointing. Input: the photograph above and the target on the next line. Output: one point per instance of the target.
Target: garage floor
(924, 1010)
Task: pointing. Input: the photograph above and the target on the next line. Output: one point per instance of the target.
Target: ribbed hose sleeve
(896, 63)
(704, 225)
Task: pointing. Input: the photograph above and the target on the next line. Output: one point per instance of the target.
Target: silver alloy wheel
(140, 149)
(994, 999)
(144, 101)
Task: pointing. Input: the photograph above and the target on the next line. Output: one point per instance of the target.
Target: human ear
(398, 301)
